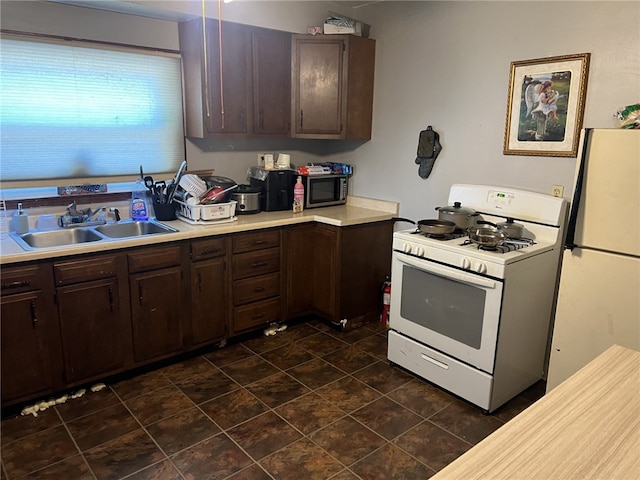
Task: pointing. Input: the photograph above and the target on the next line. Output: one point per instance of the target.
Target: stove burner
(505, 247)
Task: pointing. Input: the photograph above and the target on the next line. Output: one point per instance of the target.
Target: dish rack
(206, 213)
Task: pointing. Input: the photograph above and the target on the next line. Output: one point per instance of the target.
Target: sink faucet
(75, 217)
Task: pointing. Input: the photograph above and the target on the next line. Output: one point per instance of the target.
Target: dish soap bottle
(298, 196)
(20, 220)
(139, 202)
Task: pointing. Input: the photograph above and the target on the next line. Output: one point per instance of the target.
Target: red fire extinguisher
(386, 301)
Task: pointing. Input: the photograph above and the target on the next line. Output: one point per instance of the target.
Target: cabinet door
(229, 83)
(93, 331)
(27, 328)
(326, 270)
(318, 86)
(156, 313)
(300, 250)
(271, 82)
(208, 301)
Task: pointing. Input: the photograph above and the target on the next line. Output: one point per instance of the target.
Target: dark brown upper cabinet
(245, 94)
(332, 86)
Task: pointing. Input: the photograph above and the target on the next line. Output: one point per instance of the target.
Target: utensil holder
(164, 211)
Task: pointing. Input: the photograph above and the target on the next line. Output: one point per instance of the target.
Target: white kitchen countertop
(357, 211)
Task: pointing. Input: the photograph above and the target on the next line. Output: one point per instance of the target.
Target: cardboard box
(331, 29)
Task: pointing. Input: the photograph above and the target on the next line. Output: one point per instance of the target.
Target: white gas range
(471, 320)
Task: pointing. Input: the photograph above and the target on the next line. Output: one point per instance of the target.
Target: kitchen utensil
(160, 191)
(217, 195)
(486, 237)
(248, 199)
(193, 185)
(463, 217)
(176, 181)
(509, 228)
(148, 182)
(431, 227)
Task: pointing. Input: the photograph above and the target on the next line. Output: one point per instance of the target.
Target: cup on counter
(164, 211)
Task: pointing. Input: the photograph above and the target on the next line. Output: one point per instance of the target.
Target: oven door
(450, 310)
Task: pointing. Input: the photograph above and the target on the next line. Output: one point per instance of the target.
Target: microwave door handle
(451, 274)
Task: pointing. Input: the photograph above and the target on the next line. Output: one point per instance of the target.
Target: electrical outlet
(557, 190)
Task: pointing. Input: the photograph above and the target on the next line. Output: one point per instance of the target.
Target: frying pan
(431, 227)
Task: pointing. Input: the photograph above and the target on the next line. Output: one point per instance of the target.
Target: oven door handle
(448, 273)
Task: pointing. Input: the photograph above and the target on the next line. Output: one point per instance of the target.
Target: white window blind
(70, 111)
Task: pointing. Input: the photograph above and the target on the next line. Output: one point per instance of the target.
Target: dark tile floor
(308, 403)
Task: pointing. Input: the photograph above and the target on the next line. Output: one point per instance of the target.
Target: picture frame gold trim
(545, 119)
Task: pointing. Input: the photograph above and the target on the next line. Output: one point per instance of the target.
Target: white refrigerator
(598, 302)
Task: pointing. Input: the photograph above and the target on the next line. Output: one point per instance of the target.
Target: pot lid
(247, 189)
(457, 208)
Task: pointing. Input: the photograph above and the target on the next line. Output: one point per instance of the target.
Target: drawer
(93, 268)
(153, 258)
(256, 314)
(256, 288)
(210, 248)
(22, 279)
(256, 263)
(248, 242)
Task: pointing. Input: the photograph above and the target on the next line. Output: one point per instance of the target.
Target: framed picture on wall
(546, 105)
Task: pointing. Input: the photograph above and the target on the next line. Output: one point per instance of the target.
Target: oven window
(322, 190)
(453, 309)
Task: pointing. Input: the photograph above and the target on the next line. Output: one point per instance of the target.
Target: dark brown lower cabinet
(158, 306)
(345, 268)
(30, 352)
(208, 301)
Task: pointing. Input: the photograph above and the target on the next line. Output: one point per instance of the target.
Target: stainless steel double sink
(80, 235)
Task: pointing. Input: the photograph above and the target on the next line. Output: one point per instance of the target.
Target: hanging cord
(220, 56)
(206, 59)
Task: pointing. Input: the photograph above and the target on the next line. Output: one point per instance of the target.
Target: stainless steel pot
(463, 217)
(248, 199)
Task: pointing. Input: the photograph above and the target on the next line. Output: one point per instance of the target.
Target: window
(72, 111)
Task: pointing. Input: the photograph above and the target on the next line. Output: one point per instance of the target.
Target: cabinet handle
(258, 289)
(111, 298)
(140, 293)
(259, 264)
(209, 252)
(259, 242)
(258, 315)
(262, 119)
(301, 119)
(199, 282)
(34, 317)
(21, 283)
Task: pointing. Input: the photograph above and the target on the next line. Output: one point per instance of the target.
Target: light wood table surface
(586, 428)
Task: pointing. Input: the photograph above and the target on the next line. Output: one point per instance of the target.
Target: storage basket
(215, 211)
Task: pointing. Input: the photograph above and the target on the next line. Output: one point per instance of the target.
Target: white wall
(447, 64)
(443, 63)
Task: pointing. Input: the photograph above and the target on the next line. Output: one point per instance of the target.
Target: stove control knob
(480, 267)
(407, 247)
(465, 263)
(419, 251)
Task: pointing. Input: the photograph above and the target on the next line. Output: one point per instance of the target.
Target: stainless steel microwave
(325, 190)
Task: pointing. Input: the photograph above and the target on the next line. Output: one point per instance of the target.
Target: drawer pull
(209, 252)
(258, 289)
(258, 315)
(437, 363)
(259, 264)
(260, 242)
(34, 317)
(111, 298)
(22, 283)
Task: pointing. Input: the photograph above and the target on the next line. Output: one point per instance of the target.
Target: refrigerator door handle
(569, 243)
